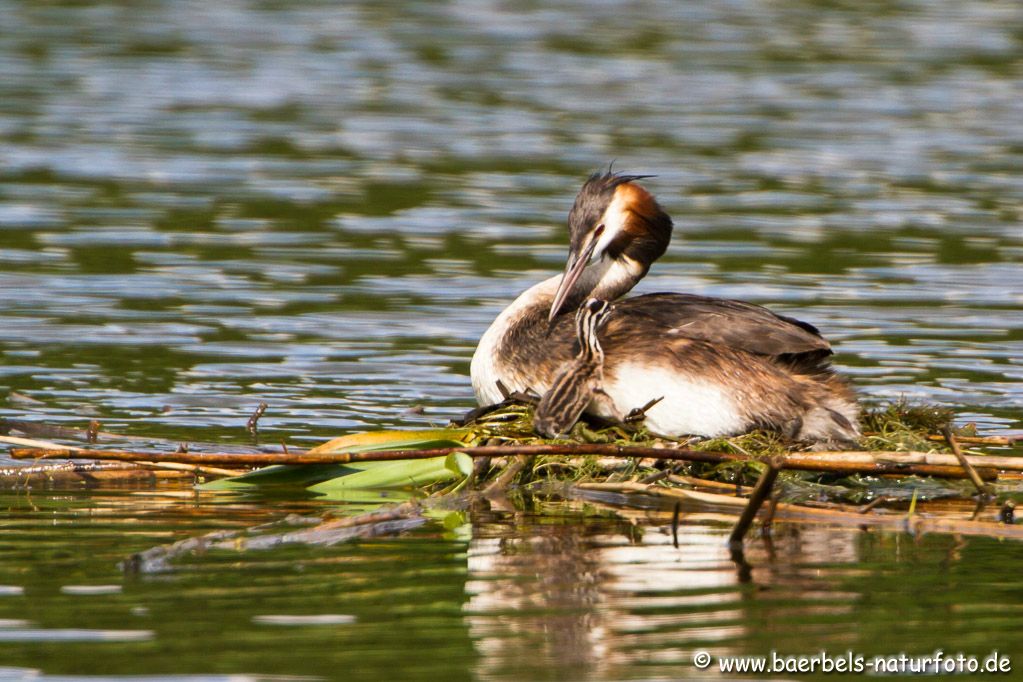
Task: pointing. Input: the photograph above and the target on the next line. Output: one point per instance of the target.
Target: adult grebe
(581, 381)
(722, 367)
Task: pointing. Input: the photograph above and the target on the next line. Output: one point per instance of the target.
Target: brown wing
(736, 324)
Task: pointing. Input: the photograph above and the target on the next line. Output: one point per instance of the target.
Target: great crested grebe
(722, 367)
(581, 381)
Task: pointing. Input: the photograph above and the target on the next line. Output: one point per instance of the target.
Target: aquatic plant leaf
(459, 463)
(403, 473)
(283, 475)
(394, 440)
(289, 475)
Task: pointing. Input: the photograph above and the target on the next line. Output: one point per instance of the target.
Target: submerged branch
(327, 532)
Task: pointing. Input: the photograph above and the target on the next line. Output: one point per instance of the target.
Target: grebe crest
(621, 228)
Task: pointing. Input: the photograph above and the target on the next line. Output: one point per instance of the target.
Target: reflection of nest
(551, 579)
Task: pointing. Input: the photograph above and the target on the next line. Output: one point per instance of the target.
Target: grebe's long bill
(723, 367)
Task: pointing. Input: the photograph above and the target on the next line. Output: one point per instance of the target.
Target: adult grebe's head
(614, 221)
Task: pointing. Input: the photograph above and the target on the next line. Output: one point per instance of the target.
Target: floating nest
(495, 454)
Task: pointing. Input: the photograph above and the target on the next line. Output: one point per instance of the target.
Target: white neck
(609, 279)
(605, 279)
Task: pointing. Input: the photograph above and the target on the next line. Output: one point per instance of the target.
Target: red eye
(599, 230)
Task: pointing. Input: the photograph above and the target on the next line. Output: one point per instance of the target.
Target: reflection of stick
(674, 524)
(92, 434)
(847, 517)
(760, 493)
(894, 463)
(970, 471)
(1007, 514)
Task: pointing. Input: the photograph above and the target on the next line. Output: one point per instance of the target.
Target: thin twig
(980, 440)
(760, 493)
(253, 424)
(65, 473)
(957, 451)
(656, 476)
(40, 444)
(869, 506)
(41, 429)
(511, 470)
(193, 468)
(969, 440)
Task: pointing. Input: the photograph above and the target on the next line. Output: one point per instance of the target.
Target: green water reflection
(568, 594)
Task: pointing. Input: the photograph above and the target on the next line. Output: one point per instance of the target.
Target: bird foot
(529, 396)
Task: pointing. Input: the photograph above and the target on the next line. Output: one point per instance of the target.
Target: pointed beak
(573, 268)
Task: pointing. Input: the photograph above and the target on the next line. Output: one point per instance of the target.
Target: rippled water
(501, 596)
(204, 206)
(323, 205)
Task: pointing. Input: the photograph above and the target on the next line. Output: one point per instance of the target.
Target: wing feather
(717, 321)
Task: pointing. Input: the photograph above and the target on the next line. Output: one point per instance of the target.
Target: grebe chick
(723, 367)
(580, 381)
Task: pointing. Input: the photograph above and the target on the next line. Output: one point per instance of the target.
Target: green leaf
(302, 476)
(284, 475)
(459, 463)
(405, 473)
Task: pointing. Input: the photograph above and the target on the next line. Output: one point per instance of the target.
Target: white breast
(483, 369)
(691, 406)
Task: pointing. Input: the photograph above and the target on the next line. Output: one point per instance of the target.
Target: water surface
(322, 206)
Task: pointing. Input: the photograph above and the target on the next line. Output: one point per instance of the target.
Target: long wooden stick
(981, 440)
(168, 464)
(969, 440)
(840, 462)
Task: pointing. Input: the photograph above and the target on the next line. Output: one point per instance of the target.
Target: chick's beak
(577, 262)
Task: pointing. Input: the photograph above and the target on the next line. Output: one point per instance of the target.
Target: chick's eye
(599, 230)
